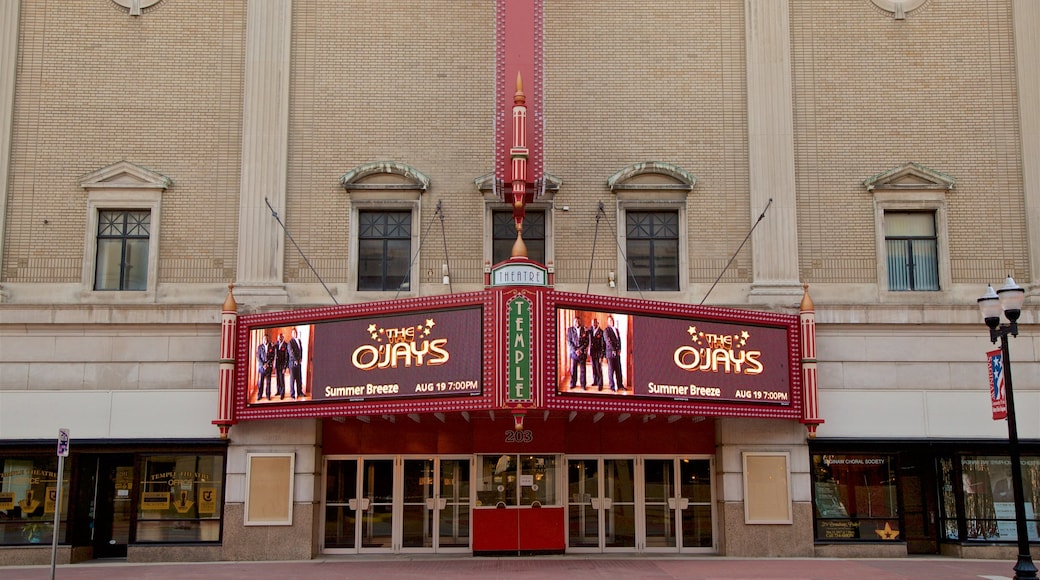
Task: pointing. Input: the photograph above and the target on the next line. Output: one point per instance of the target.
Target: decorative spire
(518, 96)
(807, 303)
(229, 302)
(518, 153)
(226, 380)
(810, 388)
(519, 247)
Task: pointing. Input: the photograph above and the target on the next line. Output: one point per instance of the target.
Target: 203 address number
(525, 436)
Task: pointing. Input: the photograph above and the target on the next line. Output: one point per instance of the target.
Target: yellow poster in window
(124, 477)
(155, 500)
(49, 501)
(207, 499)
(7, 500)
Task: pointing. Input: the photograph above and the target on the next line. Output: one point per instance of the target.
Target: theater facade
(515, 277)
(469, 423)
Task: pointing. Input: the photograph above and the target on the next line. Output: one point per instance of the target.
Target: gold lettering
(437, 347)
(365, 357)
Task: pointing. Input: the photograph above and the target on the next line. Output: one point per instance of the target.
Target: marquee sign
(500, 346)
(683, 359)
(625, 355)
(397, 356)
(424, 354)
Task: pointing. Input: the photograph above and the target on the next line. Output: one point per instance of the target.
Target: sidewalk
(569, 567)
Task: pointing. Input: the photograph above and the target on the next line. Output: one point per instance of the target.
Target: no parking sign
(63, 442)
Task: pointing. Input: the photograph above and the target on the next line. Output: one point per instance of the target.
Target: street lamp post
(1009, 299)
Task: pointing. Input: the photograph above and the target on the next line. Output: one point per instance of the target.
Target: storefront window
(510, 480)
(855, 498)
(949, 501)
(180, 498)
(28, 489)
(989, 501)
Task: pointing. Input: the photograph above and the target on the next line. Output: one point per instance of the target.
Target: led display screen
(621, 354)
(422, 354)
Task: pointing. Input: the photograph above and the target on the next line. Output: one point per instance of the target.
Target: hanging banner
(997, 395)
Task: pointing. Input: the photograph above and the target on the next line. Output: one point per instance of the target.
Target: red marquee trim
(493, 303)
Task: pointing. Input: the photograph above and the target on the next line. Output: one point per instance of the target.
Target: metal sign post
(63, 452)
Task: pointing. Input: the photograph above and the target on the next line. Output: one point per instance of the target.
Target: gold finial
(807, 303)
(229, 302)
(519, 247)
(518, 96)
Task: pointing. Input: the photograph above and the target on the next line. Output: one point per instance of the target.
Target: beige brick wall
(625, 81)
(407, 82)
(630, 81)
(872, 93)
(96, 86)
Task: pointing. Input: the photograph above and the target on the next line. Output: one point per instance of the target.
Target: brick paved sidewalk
(542, 568)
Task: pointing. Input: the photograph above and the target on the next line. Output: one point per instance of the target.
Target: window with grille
(503, 235)
(122, 250)
(652, 249)
(384, 250)
(912, 253)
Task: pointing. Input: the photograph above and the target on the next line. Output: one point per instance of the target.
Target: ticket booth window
(517, 480)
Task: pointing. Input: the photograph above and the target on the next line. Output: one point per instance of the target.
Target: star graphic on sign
(374, 331)
(430, 323)
(744, 335)
(888, 533)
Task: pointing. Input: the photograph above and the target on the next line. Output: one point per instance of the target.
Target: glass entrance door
(601, 506)
(641, 504)
(359, 496)
(453, 507)
(112, 505)
(660, 504)
(419, 504)
(918, 503)
(678, 504)
(341, 504)
(694, 501)
(397, 504)
(377, 505)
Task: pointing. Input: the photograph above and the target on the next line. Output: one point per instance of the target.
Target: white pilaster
(771, 151)
(8, 64)
(1026, 16)
(265, 146)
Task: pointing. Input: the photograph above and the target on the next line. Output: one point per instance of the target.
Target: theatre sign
(508, 348)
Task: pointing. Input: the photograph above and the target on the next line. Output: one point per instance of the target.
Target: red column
(226, 392)
(807, 315)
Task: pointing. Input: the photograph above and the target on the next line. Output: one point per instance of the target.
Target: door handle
(353, 503)
(429, 503)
